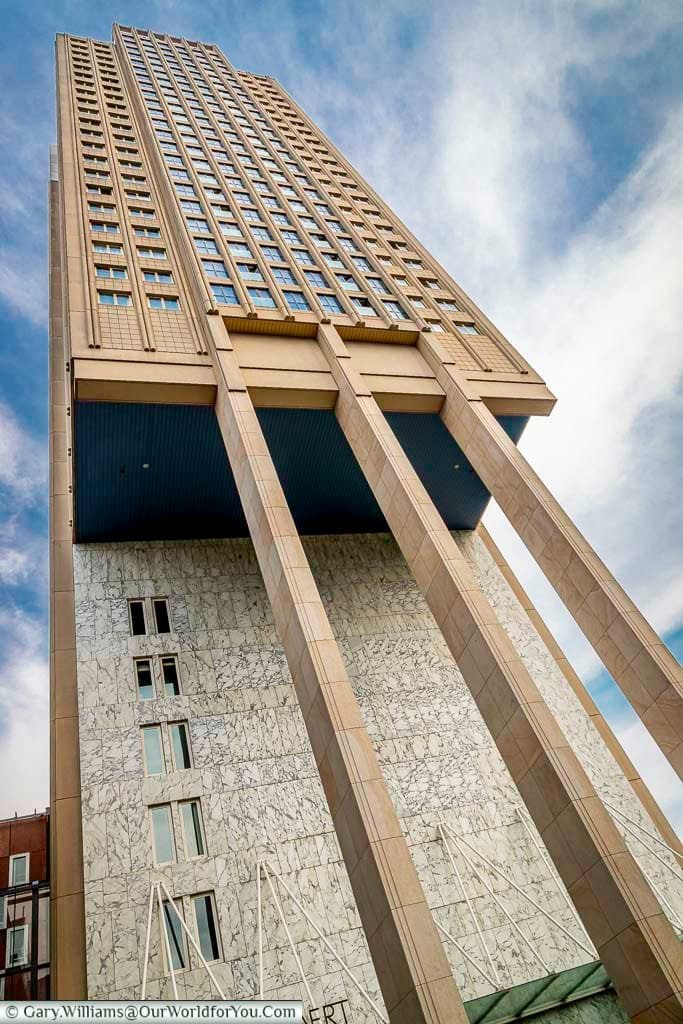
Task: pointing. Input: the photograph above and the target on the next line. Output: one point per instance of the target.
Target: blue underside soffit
(160, 472)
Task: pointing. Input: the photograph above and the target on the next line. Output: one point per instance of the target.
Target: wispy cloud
(24, 717)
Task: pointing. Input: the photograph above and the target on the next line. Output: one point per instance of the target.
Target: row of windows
(121, 274)
(170, 303)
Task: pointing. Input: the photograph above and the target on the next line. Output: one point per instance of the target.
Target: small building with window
(24, 907)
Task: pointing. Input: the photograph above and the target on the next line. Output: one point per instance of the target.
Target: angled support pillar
(412, 969)
(622, 916)
(631, 651)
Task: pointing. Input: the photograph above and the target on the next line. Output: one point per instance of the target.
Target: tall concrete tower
(309, 736)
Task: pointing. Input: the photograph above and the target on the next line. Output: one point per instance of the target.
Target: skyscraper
(309, 736)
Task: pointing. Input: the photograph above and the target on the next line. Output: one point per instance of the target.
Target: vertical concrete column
(641, 665)
(412, 968)
(67, 918)
(621, 914)
(588, 704)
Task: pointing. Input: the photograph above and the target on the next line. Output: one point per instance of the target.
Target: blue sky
(536, 149)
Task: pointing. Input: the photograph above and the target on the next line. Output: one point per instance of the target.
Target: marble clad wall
(259, 789)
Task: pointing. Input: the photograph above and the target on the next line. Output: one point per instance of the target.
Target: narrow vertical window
(161, 618)
(153, 750)
(145, 680)
(193, 828)
(169, 669)
(17, 946)
(207, 930)
(137, 618)
(162, 834)
(176, 937)
(18, 869)
(180, 745)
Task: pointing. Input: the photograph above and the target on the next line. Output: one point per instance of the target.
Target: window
(361, 262)
(250, 271)
(347, 282)
(169, 303)
(330, 303)
(467, 328)
(239, 249)
(114, 299)
(160, 606)
(283, 275)
(175, 938)
(363, 306)
(262, 234)
(224, 294)
(197, 224)
(136, 610)
(17, 946)
(205, 245)
(332, 259)
(157, 277)
(271, 252)
(139, 212)
(145, 679)
(394, 310)
(447, 304)
(193, 828)
(214, 268)
(18, 868)
(162, 834)
(169, 672)
(152, 749)
(296, 300)
(261, 297)
(378, 285)
(111, 248)
(152, 254)
(3, 921)
(315, 278)
(207, 931)
(98, 225)
(180, 745)
(417, 301)
(118, 273)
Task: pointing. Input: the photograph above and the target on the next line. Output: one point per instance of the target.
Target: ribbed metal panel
(452, 484)
(326, 490)
(187, 491)
(147, 471)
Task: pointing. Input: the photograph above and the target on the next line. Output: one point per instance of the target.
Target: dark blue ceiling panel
(451, 483)
(147, 471)
(324, 486)
(186, 491)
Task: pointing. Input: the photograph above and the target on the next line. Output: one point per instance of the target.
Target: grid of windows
(246, 168)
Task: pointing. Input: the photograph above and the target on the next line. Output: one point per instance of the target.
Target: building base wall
(260, 793)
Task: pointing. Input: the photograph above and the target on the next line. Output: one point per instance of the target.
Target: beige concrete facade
(211, 247)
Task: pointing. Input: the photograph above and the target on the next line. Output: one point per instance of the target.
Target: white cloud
(23, 460)
(24, 713)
